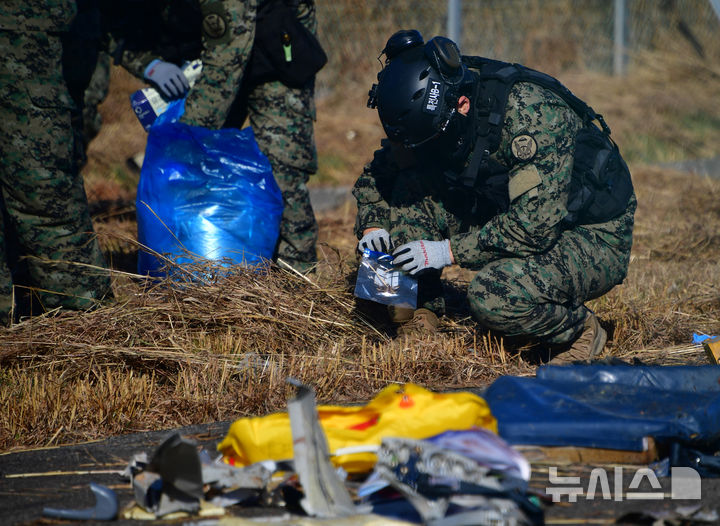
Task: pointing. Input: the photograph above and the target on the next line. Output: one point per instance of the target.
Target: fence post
(619, 40)
(454, 22)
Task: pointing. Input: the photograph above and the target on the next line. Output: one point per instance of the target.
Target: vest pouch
(284, 49)
(601, 185)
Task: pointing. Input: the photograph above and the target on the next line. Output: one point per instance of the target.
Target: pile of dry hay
(211, 344)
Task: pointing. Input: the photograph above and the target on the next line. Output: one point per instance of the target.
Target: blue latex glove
(377, 240)
(416, 256)
(168, 78)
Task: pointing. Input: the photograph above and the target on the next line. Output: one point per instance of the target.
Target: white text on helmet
(433, 96)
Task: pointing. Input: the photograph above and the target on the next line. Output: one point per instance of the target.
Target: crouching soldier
(500, 169)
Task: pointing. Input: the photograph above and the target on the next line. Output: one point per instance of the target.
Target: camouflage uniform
(46, 225)
(533, 272)
(281, 117)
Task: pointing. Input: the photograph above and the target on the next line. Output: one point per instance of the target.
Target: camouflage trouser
(46, 228)
(282, 120)
(540, 296)
(543, 295)
(94, 94)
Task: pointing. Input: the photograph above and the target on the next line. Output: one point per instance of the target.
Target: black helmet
(417, 90)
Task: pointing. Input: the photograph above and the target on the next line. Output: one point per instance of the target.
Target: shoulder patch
(523, 147)
(215, 23)
(524, 180)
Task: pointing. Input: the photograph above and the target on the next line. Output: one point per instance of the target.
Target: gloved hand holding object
(169, 78)
(377, 239)
(148, 103)
(419, 255)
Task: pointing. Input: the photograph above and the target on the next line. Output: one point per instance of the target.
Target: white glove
(377, 240)
(418, 255)
(168, 78)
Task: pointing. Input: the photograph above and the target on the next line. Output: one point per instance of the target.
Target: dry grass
(664, 111)
(212, 345)
(673, 287)
(220, 346)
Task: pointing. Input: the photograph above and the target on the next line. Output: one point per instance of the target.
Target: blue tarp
(609, 406)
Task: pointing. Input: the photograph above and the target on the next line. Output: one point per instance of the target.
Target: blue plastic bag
(205, 193)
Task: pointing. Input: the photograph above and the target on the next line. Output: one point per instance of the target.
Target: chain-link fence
(551, 35)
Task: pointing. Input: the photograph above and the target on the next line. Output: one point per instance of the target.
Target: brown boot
(400, 314)
(424, 322)
(589, 344)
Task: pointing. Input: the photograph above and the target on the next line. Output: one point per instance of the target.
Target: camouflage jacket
(37, 15)
(228, 33)
(537, 190)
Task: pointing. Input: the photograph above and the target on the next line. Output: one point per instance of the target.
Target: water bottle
(147, 103)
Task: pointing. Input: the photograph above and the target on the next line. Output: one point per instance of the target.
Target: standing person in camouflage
(229, 91)
(45, 212)
(499, 169)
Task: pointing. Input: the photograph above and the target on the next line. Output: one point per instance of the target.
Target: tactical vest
(284, 49)
(600, 186)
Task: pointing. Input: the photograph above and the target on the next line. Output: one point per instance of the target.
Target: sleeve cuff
(150, 66)
(374, 224)
(467, 250)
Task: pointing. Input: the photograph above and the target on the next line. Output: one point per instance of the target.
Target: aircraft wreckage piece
(325, 494)
(105, 509)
